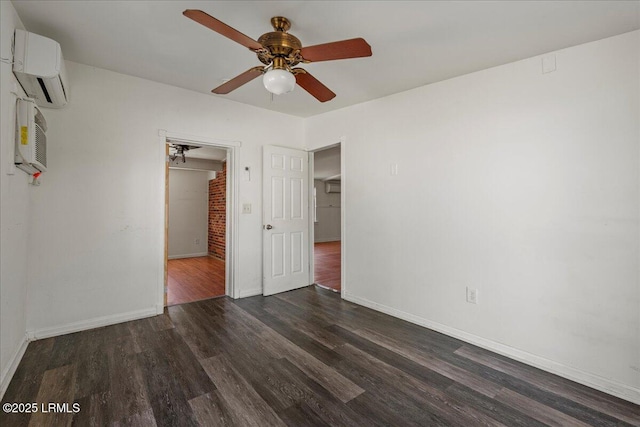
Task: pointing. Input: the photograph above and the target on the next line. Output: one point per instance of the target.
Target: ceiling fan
(180, 150)
(281, 52)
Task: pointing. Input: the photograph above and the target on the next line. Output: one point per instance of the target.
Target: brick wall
(218, 213)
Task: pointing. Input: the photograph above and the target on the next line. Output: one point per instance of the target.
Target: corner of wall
(12, 366)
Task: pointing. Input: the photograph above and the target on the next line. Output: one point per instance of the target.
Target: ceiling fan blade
(221, 28)
(314, 86)
(238, 81)
(345, 49)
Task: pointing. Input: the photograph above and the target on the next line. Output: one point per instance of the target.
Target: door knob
(268, 226)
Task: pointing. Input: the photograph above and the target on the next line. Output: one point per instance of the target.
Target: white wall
(14, 213)
(327, 225)
(188, 213)
(521, 184)
(96, 220)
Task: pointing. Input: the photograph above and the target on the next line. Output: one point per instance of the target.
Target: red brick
(218, 213)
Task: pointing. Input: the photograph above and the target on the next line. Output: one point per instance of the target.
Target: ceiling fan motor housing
(279, 42)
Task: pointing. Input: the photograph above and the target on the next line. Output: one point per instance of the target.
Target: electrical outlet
(472, 295)
(197, 241)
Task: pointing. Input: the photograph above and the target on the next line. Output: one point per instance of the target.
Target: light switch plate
(246, 208)
(472, 295)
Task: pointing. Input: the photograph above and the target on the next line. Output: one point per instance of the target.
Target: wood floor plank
(165, 397)
(301, 415)
(494, 408)
(321, 401)
(142, 419)
(126, 383)
(540, 412)
(195, 334)
(95, 377)
(241, 399)
(64, 351)
(94, 410)
(58, 387)
(176, 358)
(209, 410)
(308, 328)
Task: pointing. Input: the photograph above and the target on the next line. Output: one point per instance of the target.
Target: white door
(285, 199)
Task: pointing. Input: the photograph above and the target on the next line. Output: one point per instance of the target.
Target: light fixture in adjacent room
(179, 154)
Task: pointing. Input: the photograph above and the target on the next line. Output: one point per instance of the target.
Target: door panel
(286, 223)
(278, 254)
(297, 240)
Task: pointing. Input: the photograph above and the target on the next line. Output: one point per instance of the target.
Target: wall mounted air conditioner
(39, 67)
(31, 141)
(332, 186)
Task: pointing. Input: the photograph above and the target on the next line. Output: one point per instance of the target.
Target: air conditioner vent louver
(45, 92)
(41, 146)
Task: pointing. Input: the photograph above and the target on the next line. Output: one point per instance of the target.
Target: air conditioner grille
(41, 146)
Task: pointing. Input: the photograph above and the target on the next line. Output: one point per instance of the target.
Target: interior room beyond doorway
(196, 232)
(327, 218)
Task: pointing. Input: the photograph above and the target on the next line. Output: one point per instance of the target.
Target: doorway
(196, 225)
(327, 218)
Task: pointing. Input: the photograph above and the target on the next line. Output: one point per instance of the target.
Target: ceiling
(414, 43)
(326, 164)
(207, 153)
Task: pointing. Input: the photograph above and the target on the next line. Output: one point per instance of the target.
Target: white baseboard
(8, 372)
(327, 239)
(199, 254)
(597, 382)
(97, 322)
(250, 292)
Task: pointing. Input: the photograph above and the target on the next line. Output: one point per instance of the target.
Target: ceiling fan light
(279, 81)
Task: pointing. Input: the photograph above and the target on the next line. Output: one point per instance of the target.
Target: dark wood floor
(193, 279)
(326, 260)
(302, 358)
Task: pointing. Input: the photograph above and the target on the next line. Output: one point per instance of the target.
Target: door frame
(343, 209)
(232, 220)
